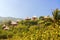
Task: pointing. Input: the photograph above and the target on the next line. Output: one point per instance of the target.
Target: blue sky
(25, 8)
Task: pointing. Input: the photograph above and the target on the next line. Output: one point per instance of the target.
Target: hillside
(35, 28)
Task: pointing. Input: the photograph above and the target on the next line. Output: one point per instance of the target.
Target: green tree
(56, 16)
(41, 17)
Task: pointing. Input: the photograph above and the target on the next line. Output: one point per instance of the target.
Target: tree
(56, 16)
(41, 17)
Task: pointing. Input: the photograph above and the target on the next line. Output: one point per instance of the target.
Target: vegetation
(39, 29)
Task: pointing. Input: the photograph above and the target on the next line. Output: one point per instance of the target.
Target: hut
(5, 27)
(34, 17)
(27, 18)
(13, 23)
(46, 18)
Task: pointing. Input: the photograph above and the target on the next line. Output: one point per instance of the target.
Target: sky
(27, 8)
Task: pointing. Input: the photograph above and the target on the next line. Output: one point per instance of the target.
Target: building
(34, 17)
(27, 18)
(46, 17)
(13, 23)
(5, 27)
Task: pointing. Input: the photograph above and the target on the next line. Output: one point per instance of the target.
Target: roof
(35, 16)
(46, 17)
(13, 22)
(27, 18)
(6, 28)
